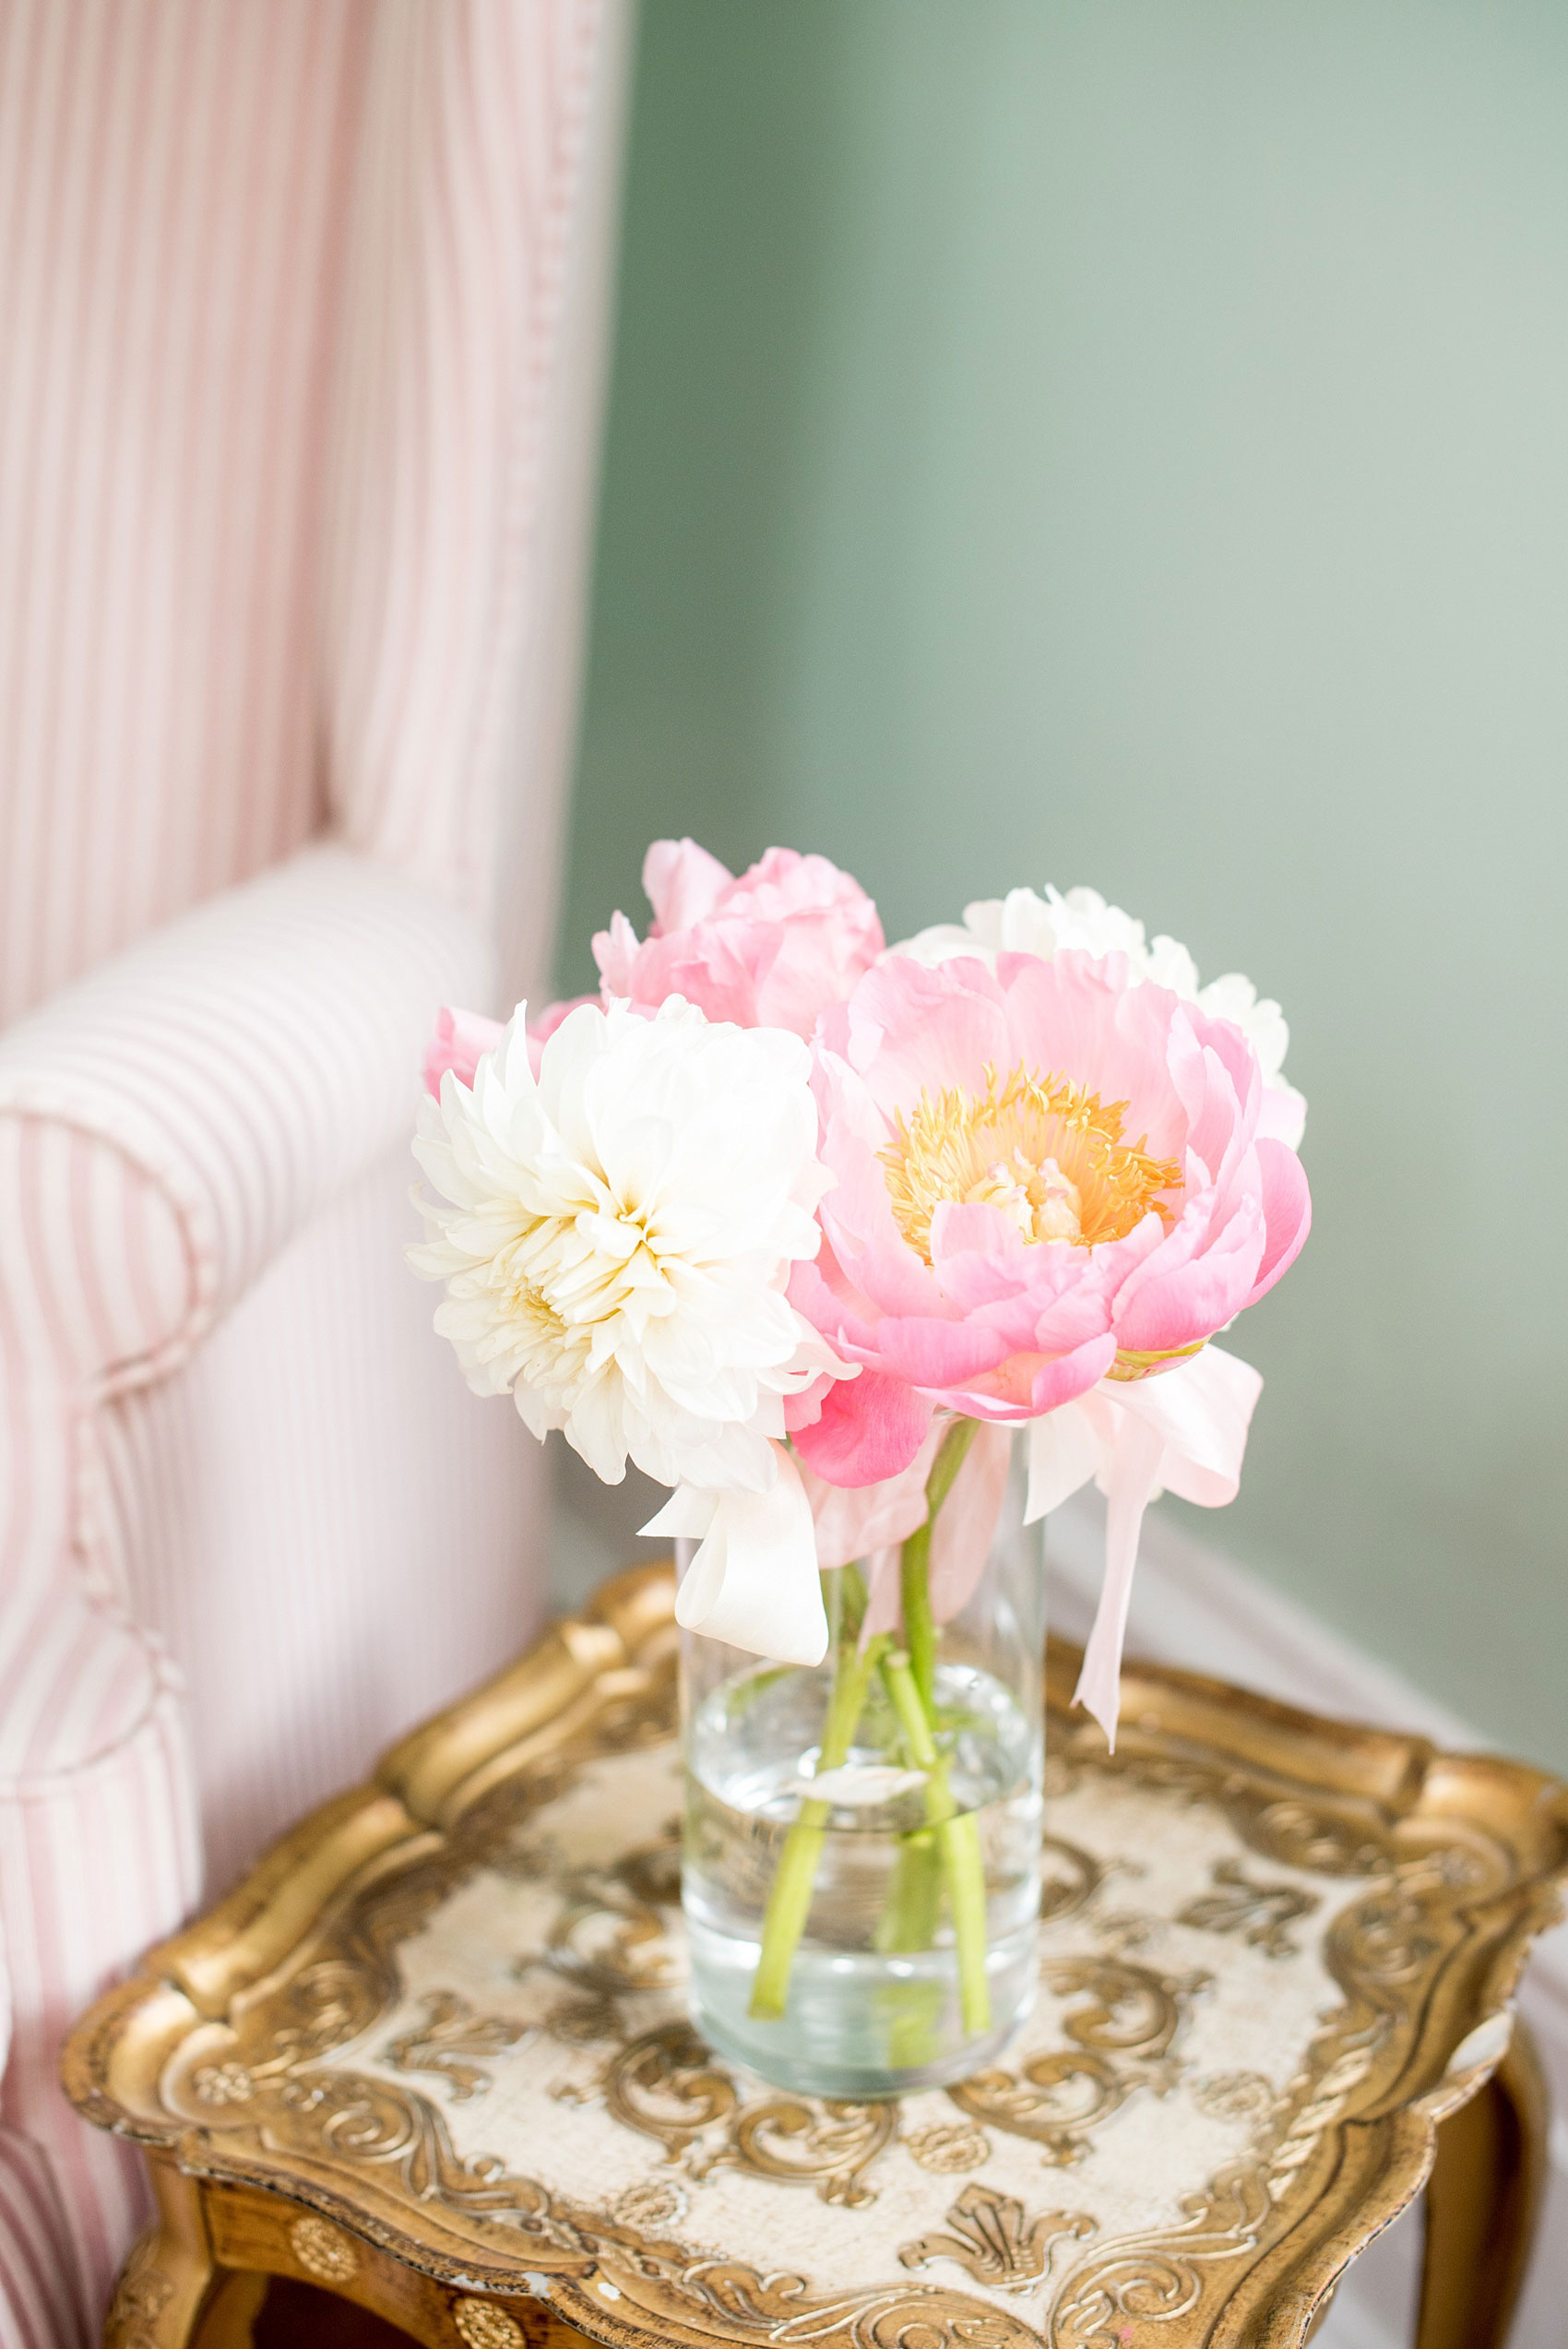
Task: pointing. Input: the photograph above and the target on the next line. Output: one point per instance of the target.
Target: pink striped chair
(301, 318)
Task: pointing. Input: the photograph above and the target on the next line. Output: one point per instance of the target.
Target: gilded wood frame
(1463, 1855)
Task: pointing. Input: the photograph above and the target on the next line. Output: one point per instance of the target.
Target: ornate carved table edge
(1301, 1788)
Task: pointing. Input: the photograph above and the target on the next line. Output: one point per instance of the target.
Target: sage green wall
(1127, 441)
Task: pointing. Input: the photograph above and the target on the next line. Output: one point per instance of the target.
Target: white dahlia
(1023, 922)
(616, 1236)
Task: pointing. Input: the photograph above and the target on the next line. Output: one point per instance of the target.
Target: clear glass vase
(880, 1937)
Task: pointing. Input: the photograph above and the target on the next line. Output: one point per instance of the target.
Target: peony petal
(939, 1355)
(870, 1428)
(682, 883)
(862, 1785)
(1071, 1374)
(1084, 1018)
(1215, 1114)
(854, 1521)
(617, 1258)
(884, 1592)
(459, 1042)
(924, 1030)
(770, 950)
(1196, 1281)
(615, 952)
(966, 1524)
(982, 1321)
(1288, 1212)
(1283, 1116)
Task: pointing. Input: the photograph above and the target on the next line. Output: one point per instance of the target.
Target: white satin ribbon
(1182, 1431)
(753, 1582)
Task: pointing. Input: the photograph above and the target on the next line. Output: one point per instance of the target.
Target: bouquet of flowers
(805, 1227)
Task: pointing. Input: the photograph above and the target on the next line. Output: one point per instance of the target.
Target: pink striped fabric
(303, 305)
(167, 1127)
(248, 1060)
(462, 224)
(174, 183)
(101, 1860)
(40, 2298)
(426, 1504)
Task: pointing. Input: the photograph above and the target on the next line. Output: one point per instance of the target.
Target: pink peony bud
(768, 950)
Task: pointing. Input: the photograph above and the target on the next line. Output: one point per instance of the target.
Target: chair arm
(170, 1121)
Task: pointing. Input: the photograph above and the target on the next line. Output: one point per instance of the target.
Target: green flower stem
(914, 1898)
(790, 1896)
(919, 1623)
(958, 1838)
(914, 1905)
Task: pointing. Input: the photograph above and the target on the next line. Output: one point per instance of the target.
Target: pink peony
(461, 1038)
(459, 1042)
(768, 950)
(1047, 1175)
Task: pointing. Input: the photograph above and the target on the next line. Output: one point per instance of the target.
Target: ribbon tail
(1134, 1473)
(754, 1582)
(1201, 1411)
(685, 1516)
(1064, 1453)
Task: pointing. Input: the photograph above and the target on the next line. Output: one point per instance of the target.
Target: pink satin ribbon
(1182, 1431)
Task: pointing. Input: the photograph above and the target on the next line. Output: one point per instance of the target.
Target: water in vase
(875, 1993)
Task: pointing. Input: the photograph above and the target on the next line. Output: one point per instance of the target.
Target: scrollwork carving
(140, 2297)
(608, 1937)
(1154, 2277)
(1123, 2038)
(603, 1940)
(1056, 2099)
(1070, 1878)
(1261, 1913)
(988, 2233)
(667, 2084)
(1132, 2010)
(365, 2121)
(786, 2311)
(450, 2033)
(1234, 2095)
(799, 2141)
(584, 2022)
(947, 2150)
(664, 2083)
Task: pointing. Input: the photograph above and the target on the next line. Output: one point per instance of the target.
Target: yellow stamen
(1047, 1152)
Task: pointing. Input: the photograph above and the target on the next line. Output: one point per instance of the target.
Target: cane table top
(444, 2017)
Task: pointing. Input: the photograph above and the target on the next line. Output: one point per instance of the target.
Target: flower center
(1047, 1152)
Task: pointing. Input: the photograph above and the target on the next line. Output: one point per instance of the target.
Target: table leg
(1482, 2199)
(165, 2282)
(230, 2320)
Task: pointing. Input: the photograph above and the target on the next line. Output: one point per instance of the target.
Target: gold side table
(432, 2061)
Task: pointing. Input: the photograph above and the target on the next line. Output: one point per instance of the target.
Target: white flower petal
(1023, 922)
(862, 1786)
(616, 1236)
